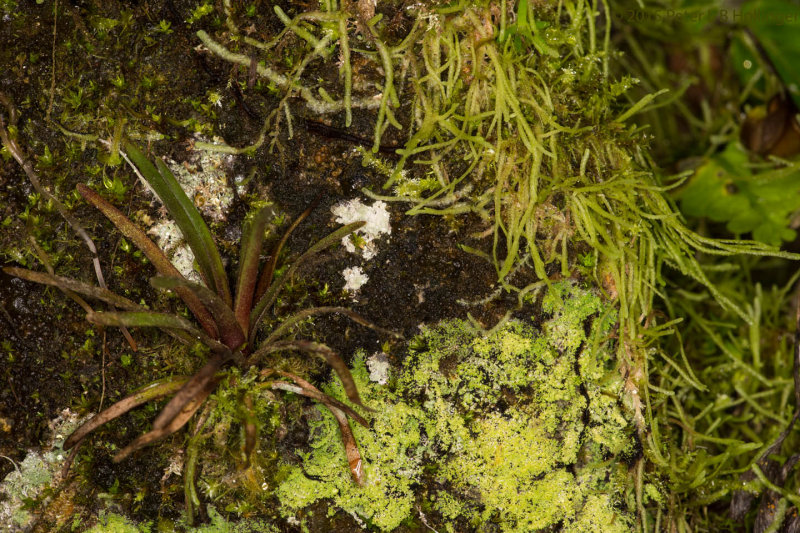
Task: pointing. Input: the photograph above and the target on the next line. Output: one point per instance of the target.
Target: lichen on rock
(520, 428)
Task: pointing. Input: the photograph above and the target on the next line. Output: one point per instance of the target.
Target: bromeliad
(229, 320)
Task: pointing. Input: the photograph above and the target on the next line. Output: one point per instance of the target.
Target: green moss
(523, 427)
(113, 523)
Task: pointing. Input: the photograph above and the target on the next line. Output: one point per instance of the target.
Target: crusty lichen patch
(521, 429)
(392, 453)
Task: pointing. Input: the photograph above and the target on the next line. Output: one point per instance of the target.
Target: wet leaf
(192, 390)
(187, 218)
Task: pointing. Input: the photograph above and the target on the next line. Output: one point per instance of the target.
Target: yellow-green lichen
(521, 429)
(391, 453)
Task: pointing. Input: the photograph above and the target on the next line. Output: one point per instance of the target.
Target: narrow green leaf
(153, 391)
(150, 319)
(189, 392)
(162, 263)
(340, 412)
(310, 391)
(187, 218)
(266, 301)
(266, 276)
(69, 284)
(188, 410)
(230, 332)
(323, 352)
(305, 313)
(251, 243)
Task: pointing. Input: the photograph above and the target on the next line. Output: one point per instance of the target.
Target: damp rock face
(520, 429)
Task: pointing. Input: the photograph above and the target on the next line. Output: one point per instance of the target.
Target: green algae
(522, 428)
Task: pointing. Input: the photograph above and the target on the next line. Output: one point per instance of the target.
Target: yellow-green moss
(521, 429)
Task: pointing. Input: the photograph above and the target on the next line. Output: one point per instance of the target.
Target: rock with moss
(519, 429)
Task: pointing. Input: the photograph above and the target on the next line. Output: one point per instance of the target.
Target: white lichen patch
(354, 278)
(376, 217)
(379, 368)
(29, 478)
(203, 178)
(170, 239)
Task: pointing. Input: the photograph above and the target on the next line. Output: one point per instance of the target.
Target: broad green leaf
(725, 190)
(777, 27)
(187, 218)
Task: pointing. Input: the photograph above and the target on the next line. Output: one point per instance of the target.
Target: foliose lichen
(521, 429)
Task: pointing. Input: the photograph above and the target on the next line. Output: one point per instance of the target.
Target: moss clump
(114, 523)
(521, 428)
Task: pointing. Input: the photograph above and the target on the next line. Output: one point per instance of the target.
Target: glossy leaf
(162, 263)
(187, 218)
